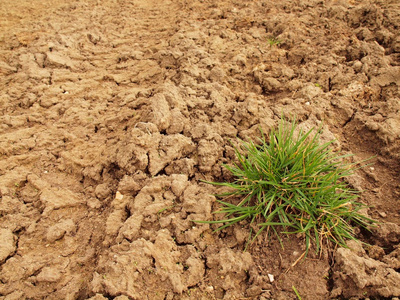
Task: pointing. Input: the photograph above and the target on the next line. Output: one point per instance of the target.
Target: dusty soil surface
(113, 111)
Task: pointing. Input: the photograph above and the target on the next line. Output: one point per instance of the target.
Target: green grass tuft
(295, 183)
(272, 41)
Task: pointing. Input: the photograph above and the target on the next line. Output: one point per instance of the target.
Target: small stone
(382, 214)
(357, 66)
(93, 38)
(118, 196)
(271, 278)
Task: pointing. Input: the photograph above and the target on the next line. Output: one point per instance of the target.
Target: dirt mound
(112, 112)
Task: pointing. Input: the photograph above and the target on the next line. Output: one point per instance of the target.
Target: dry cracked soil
(112, 113)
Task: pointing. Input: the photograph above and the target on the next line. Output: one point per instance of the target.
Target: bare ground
(111, 113)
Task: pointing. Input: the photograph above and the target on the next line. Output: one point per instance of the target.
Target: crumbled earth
(113, 112)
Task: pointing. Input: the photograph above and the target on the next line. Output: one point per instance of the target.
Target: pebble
(357, 66)
(382, 214)
(118, 196)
